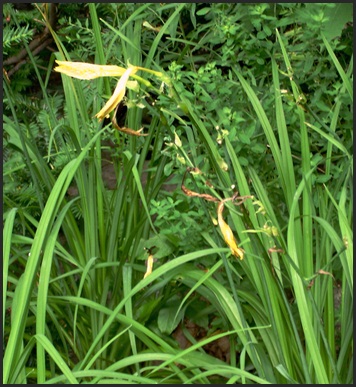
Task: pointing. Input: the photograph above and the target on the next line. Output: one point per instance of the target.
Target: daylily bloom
(149, 266)
(82, 70)
(118, 94)
(91, 71)
(228, 234)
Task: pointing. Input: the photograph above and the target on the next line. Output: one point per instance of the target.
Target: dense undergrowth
(249, 105)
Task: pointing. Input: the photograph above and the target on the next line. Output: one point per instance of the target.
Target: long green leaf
(29, 276)
(6, 247)
(300, 292)
(344, 77)
(56, 356)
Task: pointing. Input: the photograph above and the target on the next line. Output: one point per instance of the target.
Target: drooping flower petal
(149, 266)
(82, 70)
(228, 234)
(118, 94)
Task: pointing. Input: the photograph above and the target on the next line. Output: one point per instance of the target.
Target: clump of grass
(82, 310)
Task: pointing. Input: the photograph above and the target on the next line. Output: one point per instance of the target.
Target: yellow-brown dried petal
(149, 266)
(228, 234)
(83, 70)
(117, 96)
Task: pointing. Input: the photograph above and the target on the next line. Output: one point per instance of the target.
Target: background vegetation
(255, 99)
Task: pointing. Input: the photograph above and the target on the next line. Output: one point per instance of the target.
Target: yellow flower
(87, 70)
(91, 71)
(149, 266)
(228, 234)
(118, 94)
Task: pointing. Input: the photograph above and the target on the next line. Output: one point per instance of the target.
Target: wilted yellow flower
(228, 234)
(91, 71)
(149, 266)
(82, 70)
(118, 94)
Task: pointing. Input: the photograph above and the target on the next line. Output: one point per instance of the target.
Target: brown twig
(35, 46)
(34, 52)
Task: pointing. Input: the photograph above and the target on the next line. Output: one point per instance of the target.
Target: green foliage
(233, 36)
(20, 27)
(175, 218)
(253, 98)
(16, 35)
